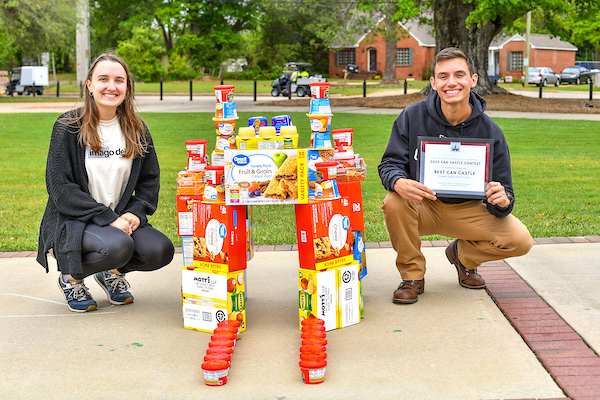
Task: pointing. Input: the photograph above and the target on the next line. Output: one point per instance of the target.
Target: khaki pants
(482, 236)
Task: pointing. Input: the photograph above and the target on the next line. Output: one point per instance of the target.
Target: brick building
(416, 48)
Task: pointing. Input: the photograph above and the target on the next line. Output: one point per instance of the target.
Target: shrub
(142, 54)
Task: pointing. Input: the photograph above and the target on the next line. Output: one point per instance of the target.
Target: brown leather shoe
(468, 278)
(408, 290)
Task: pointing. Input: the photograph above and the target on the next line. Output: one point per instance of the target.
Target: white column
(82, 41)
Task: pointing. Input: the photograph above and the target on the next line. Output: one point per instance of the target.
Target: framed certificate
(455, 168)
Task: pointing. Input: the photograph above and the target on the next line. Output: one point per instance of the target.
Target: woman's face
(108, 87)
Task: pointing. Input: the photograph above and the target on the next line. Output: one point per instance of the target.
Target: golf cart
(300, 86)
(27, 80)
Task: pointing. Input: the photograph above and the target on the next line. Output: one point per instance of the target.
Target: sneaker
(77, 295)
(115, 286)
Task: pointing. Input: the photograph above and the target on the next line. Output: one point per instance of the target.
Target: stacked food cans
(225, 120)
(320, 116)
(218, 355)
(313, 354)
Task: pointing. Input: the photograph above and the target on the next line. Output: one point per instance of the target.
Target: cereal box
(348, 292)
(353, 191)
(324, 234)
(266, 176)
(317, 296)
(219, 237)
(210, 297)
(359, 253)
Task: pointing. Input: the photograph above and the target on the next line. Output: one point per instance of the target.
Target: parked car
(542, 74)
(576, 75)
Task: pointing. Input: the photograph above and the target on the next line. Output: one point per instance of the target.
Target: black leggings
(106, 247)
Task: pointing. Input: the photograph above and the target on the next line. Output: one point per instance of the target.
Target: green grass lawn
(555, 173)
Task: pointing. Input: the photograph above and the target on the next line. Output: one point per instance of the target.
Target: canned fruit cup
(232, 329)
(221, 342)
(326, 170)
(223, 143)
(224, 335)
(312, 320)
(215, 372)
(320, 106)
(219, 349)
(314, 340)
(319, 122)
(320, 140)
(314, 356)
(313, 348)
(319, 90)
(313, 333)
(267, 132)
(217, 356)
(342, 138)
(246, 132)
(225, 126)
(226, 110)
(313, 372)
(257, 122)
(230, 322)
(224, 93)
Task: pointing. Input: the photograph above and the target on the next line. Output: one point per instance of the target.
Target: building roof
(422, 33)
(536, 40)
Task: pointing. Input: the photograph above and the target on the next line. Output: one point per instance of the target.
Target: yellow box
(317, 296)
(209, 297)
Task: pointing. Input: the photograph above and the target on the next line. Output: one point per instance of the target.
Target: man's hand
(496, 194)
(133, 220)
(122, 224)
(412, 190)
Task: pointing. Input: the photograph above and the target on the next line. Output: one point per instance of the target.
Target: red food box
(352, 190)
(219, 237)
(185, 213)
(324, 234)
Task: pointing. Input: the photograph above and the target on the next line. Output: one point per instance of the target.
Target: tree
(472, 25)
(33, 26)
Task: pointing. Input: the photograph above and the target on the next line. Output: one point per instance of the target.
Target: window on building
(404, 56)
(345, 57)
(514, 60)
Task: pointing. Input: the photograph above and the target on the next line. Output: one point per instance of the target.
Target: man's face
(452, 80)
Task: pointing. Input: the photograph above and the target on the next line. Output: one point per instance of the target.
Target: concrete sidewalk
(454, 343)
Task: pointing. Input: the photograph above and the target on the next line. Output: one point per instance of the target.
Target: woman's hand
(133, 220)
(122, 224)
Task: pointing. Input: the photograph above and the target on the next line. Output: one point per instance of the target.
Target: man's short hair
(452, 52)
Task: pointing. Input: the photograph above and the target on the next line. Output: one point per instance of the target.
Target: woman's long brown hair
(131, 124)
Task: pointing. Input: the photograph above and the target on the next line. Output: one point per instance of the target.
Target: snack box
(348, 291)
(317, 296)
(358, 252)
(324, 234)
(219, 237)
(266, 176)
(249, 233)
(190, 182)
(187, 246)
(185, 213)
(353, 191)
(204, 316)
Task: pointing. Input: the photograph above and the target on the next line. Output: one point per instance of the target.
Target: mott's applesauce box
(349, 295)
(266, 176)
(317, 296)
(324, 234)
(219, 237)
(210, 297)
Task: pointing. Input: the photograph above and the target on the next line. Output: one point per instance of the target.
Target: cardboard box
(187, 245)
(185, 213)
(266, 176)
(359, 253)
(317, 296)
(219, 237)
(324, 234)
(348, 291)
(353, 191)
(210, 297)
(249, 233)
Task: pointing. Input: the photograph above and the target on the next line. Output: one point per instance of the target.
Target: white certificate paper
(455, 168)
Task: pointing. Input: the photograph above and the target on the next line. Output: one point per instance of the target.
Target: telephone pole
(526, 63)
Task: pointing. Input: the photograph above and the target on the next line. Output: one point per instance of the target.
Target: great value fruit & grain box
(209, 297)
(324, 234)
(219, 237)
(266, 176)
(317, 296)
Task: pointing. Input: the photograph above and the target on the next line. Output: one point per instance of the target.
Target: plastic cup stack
(225, 121)
(218, 355)
(313, 354)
